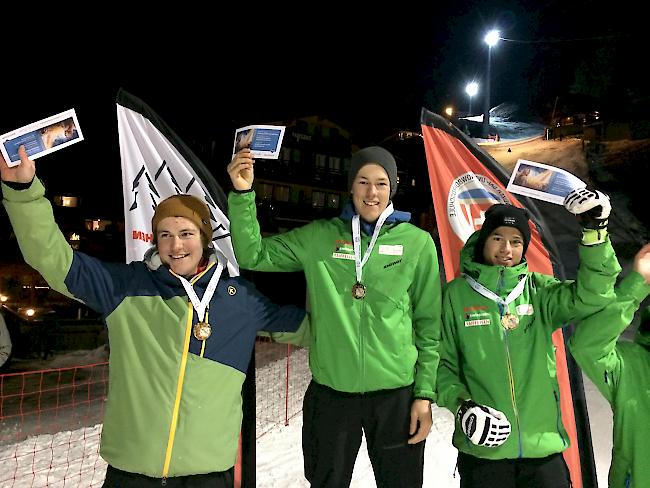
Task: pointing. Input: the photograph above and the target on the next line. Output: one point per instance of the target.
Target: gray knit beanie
(374, 155)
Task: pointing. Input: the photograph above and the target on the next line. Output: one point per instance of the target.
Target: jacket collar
(154, 263)
(368, 228)
(499, 279)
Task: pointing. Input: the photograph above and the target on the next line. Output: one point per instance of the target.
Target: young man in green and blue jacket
(181, 332)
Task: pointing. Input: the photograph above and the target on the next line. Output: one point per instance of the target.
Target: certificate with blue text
(264, 141)
(42, 137)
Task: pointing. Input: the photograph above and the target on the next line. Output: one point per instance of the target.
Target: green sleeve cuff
(424, 395)
(32, 191)
(591, 237)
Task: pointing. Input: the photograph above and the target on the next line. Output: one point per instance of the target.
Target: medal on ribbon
(510, 321)
(202, 330)
(358, 291)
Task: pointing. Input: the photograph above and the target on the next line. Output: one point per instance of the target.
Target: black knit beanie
(377, 155)
(499, 215)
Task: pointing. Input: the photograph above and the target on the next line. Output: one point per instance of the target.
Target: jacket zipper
(179, 389)
(511, 377)
(362, 356)
(511, 382)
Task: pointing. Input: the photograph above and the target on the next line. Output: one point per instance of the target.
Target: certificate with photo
(541, 181)
(42, 137)
(264, 141)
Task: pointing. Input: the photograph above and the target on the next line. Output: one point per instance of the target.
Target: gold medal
(202, 330)
(510, 321)
(358, 291)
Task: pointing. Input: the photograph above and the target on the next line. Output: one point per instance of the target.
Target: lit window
(97, 225)
(318, 199)
(64, 201)
(69, 201)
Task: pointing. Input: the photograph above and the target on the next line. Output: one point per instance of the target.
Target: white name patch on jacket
(477, 322)
(524, 309)
(396, 250)
(340, 255)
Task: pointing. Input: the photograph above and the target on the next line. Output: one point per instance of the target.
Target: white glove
(484, 426)
(591, 206)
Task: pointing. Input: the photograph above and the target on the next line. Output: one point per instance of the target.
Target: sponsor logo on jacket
(343, 250)
(477, 315)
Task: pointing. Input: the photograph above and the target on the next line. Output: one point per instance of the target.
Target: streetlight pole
(491, 38)
(471, 89)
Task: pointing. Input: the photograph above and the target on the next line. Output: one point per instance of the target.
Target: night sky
(208, 72)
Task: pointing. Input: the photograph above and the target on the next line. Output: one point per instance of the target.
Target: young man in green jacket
(181, 332)
(621, 372)
(374, 292)
(497, 362)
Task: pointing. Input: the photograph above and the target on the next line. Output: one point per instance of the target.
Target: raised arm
(593, 290)
(283, 252)
(594, 342)
(41, 242)
(241, 170)
(45, 248)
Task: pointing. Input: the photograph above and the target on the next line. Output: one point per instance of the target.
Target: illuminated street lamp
(491, 38)
(449, 111)
(471, 89)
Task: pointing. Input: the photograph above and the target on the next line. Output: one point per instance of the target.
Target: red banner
(465, 182)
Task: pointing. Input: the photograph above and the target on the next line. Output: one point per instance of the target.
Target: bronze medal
(202, 330)
(510, 321)
(358, 291)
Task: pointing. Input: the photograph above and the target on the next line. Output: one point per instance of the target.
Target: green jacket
(621, 371)
(174, 402)
(387, 340)
(514, 371)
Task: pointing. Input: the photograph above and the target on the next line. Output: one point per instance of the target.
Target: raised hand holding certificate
(264, 141)
(541, 181)
(42, 137)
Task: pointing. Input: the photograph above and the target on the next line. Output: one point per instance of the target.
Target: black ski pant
(546, 472)
(116, 478)
(333, 423)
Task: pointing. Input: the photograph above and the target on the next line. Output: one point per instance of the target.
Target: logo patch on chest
(477, 318)
(343, 250)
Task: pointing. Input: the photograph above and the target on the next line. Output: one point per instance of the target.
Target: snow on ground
(280, 465)
(279, 451)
